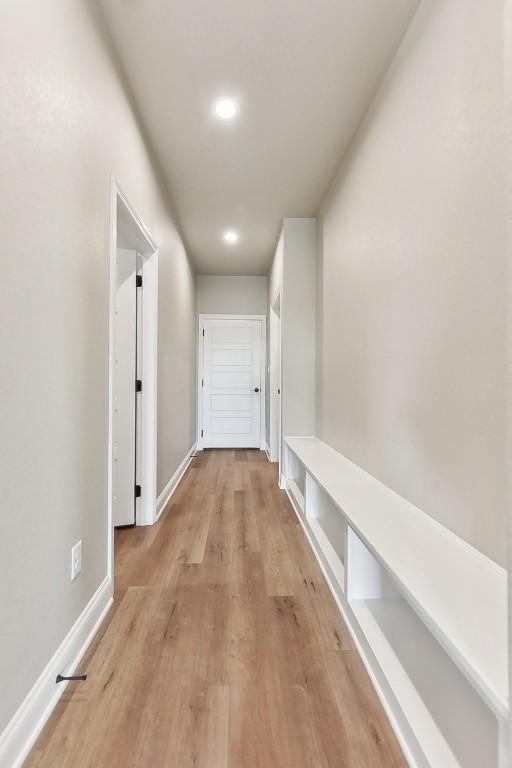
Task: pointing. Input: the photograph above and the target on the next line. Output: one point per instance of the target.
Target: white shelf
(459, 594)
(327, 550)
(297, 494)
(428, 687)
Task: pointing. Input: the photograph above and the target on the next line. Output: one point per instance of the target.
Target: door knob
(256, 389)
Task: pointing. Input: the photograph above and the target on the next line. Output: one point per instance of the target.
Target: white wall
(293, 278)
(412, 299)
(298, 326)
(276, 272)
(177, 342)
(233, 295)
(66, 126)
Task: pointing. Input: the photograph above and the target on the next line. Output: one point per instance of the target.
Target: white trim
(171, 486)
(200, 347)
(267, 450)
(146, 234)
(149, 372)
(20, 734)
(275, 381)
(149, 390)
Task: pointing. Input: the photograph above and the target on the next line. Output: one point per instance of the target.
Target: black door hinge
(203, 331)
(138, 385)
(138, 491)
(201, 433)
(138, 281)
(202, 382)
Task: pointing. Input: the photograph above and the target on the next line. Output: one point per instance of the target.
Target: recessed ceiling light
(230, 236)
(226, 109)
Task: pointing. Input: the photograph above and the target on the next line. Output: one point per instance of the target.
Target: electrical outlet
(76, 560)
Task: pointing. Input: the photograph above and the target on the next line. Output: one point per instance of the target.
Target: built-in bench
(428, 611)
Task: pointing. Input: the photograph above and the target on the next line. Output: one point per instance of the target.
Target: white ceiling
(303, 72)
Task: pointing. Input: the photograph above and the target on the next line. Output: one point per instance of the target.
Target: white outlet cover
(76, 560)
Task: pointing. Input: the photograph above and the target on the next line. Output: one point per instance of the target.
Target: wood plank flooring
(224, 648)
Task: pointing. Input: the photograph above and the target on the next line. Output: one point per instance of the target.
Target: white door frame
(275, 380)
(146, 246)
(200, 364)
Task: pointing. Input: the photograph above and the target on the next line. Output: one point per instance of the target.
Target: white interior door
(232, 396)
(125, 371)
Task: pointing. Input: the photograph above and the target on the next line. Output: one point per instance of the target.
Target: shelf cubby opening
(329, 528)
(453, 727)
(296, 479)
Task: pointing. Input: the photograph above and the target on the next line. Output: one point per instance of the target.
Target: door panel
(231, 380)
(239, 426)
(230, 402)
(231, 374)
(236, 357)
(234, 334)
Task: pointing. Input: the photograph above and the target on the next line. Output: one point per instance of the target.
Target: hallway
(224, 646)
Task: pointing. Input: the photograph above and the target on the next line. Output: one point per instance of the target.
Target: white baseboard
(20, 734)
(267, 451)
(169, 489)
(282, 483)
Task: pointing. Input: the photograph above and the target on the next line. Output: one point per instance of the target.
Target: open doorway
(132, 368)
(275, 381)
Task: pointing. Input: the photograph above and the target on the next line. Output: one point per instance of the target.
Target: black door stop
(60, 678)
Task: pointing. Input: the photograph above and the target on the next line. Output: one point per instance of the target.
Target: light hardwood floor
(224, 648)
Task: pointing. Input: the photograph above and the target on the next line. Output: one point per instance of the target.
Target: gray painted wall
(68, 126)
(232, 295)
(412, 299)
(177, 342)
(298, 327)
(293, 276)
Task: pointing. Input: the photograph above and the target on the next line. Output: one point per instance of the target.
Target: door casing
(125, 222)
(126, 429)
(275, 381)
(200, 362)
